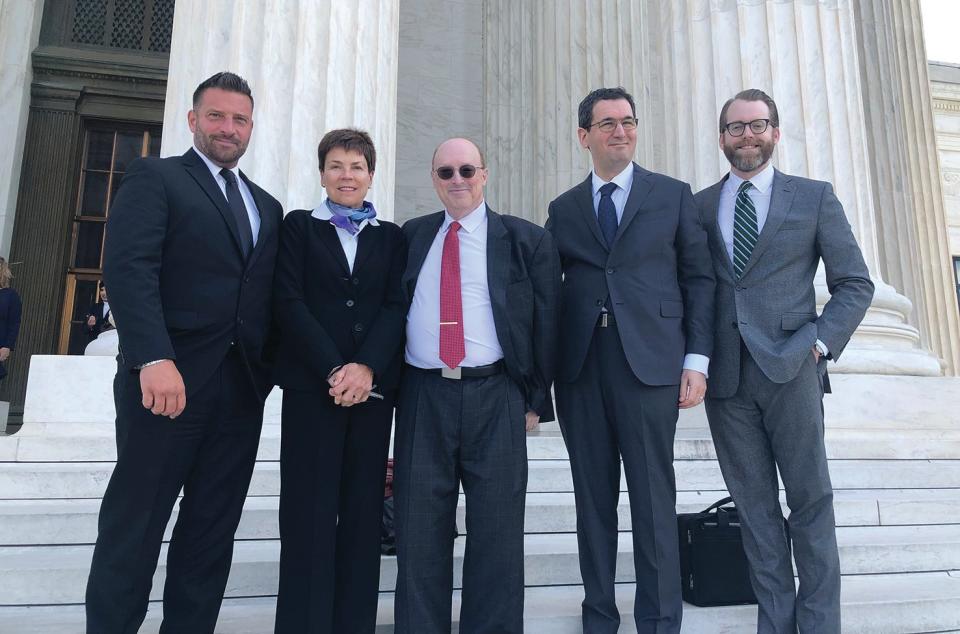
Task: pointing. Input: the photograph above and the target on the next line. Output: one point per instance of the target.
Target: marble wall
(19, 34)
(945, 89)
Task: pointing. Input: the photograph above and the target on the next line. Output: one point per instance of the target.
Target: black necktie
(239, 210)
(607, 213)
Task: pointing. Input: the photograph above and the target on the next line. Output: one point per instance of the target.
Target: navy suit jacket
(657, 272)
(179, 286)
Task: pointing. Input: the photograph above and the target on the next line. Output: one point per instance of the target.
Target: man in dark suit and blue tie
(190, 251)
(768, 234)
(636, 334)
(481, 335)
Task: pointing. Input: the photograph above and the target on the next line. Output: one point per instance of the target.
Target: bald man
(481, 335)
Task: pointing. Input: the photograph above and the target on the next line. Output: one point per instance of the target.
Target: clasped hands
(350, 384)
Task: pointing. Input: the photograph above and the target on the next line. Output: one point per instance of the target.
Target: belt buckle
(451, 373)
(603, 320)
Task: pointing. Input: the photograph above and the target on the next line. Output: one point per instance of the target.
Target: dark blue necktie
(239, 211)
(607, 213)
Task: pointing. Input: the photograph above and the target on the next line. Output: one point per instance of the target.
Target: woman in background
(341, 313)
(10, 308)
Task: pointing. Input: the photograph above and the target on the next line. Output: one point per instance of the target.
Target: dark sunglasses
(445, 173)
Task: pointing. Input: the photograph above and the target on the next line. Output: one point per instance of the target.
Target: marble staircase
(893, 442)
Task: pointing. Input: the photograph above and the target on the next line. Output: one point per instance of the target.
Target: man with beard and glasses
(189, 257)
(768, 232)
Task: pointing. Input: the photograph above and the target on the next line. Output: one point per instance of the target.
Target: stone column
(19, 33)
(911, 215)
(805, 55)
(682, 60)
(313, 66)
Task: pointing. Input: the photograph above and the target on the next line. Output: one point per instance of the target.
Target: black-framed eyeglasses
(609, 125)
(737, 128)
(446, 172)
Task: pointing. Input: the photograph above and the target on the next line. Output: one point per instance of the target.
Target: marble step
(872, 604)
(96, 443)
(36, 480)
(57, 574)
(36, 522)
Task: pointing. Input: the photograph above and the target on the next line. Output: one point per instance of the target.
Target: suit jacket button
(246, 280)
(240, 321)
(349, 303)
(358, 328)
(611, 271)
(599, 302)
(355, 281)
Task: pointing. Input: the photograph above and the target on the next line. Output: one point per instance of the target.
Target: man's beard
(749, 164)
(217, 153)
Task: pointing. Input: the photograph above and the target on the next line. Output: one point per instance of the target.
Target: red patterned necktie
(452, 349)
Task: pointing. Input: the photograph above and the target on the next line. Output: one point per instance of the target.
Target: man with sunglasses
(481, 335)
(768, 233)
(636, 329)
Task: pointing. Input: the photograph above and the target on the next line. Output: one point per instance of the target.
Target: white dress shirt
(624, 181)
(423, 321)
(347, 240)
(760, 193)
(252, 212)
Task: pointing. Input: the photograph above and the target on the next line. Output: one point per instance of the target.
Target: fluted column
(540, 60)
(312, 66)
(805, 55)
(19, 32)
(911, 215)
(682, 60)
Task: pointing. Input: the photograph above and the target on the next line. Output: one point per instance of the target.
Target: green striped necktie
(745, 230)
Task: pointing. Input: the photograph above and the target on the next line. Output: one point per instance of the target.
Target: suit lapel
(780, 200)
(638, 192)
(330, 240)
(367, 242)
(199, 172)
(583, 194)
(418, 249)
(498, 273)
(712, 206)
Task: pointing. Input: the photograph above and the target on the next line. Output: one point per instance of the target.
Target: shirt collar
(761, 182)
(213, 167)
(623, 180)
(470, 222)
(322, 212)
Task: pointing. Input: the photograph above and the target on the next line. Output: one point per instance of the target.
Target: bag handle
(718, 504)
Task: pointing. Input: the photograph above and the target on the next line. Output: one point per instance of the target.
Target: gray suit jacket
(657, 273)
(772, 307)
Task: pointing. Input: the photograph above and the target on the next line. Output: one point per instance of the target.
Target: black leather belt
(605, 320)
(458, 373)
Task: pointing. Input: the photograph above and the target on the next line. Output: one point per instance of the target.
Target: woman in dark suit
(10, 308)
(341, 313)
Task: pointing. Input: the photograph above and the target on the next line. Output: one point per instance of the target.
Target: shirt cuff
(149, 363)
(824, 350)
(697, 362)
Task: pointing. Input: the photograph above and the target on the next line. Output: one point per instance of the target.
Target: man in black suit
(636, 330)
(190, 251)
(481, 334)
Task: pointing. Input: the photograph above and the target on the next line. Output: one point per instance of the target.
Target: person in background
(340, 311)
(98, 317)
(10, 310)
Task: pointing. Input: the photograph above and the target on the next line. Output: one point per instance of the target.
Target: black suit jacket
(179, 286)
(658, 274)
(523, 275)
(329, 316)
(102, 323)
